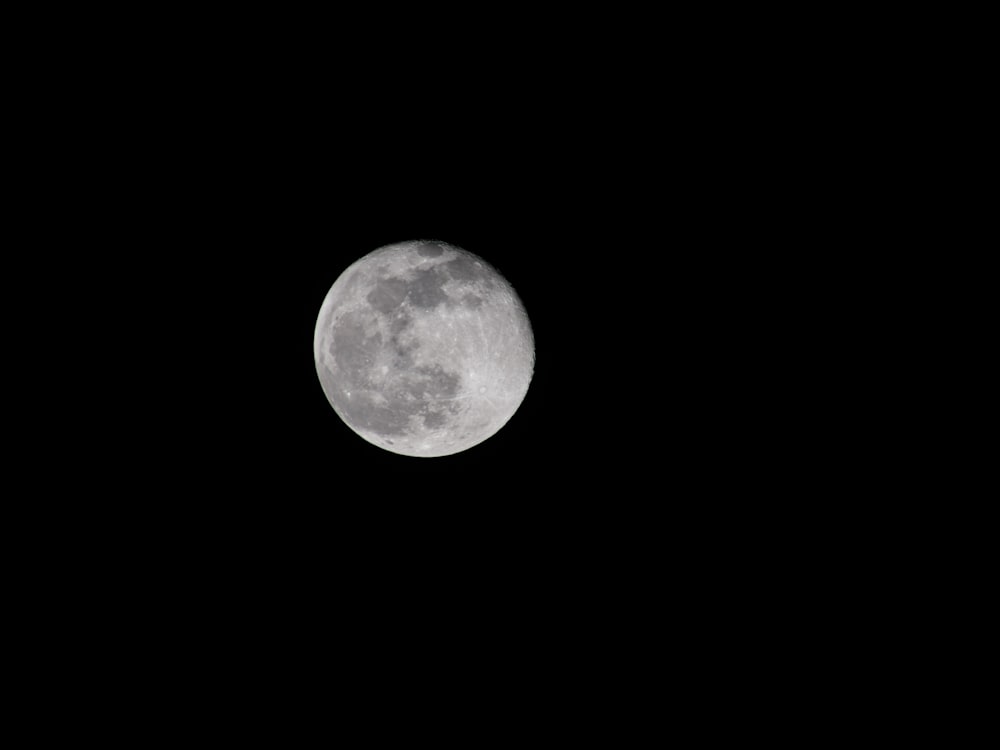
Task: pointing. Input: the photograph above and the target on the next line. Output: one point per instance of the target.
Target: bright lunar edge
(423, 348)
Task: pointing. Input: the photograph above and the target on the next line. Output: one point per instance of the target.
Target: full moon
(423, 349)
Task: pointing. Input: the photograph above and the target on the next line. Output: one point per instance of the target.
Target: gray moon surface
(423, 348)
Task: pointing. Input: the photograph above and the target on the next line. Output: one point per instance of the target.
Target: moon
(423, 349)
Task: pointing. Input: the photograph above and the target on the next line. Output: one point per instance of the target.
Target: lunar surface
(423, 349)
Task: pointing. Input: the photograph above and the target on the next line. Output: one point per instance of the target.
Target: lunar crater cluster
(423, 348)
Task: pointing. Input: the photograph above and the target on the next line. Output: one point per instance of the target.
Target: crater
(432, 382)
(430, 250)
(472, 301)
(392, 418)
(463, 268)
(402, 359)
(353, 348)
(467, 268)
(425, 290)
(434, 419)
(425, 392)
(388, 294)
(399, 323)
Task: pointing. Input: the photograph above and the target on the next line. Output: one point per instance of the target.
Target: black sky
(669, 197)
(604, 201)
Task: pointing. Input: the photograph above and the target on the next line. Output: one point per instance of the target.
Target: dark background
(661, 206)
(646, 218)
(648, 197)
